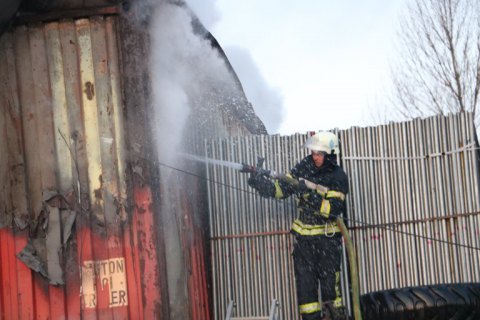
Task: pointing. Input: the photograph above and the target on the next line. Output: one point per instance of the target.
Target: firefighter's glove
(263, 184)
(259, 181)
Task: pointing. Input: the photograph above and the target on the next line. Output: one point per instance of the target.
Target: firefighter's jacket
(316, 211)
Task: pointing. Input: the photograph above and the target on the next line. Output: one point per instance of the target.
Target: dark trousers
(317, 261)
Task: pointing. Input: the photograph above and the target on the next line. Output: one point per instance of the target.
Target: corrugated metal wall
(83, 228)
(63, 162)
(415, 183)
(413, 211)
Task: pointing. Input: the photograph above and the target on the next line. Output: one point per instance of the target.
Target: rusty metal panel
(57, 5)
(16, 277)
(70, 248)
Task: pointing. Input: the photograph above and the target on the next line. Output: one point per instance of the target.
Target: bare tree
(439, 67)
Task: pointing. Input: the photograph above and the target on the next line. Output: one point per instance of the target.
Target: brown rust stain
(89, 90)
(98, 192)
(141, 210)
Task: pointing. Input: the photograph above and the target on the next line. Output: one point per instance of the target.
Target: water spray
(223, 163)
(241, 167)
(259, 170)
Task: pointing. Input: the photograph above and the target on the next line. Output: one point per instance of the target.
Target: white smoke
(182, 64)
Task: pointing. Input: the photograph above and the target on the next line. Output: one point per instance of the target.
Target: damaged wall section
(81, 227)
(64, 207)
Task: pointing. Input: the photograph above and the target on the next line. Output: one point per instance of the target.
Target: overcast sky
(308, 64)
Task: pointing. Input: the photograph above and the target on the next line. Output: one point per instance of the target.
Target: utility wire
(384, 227)
(205, 178)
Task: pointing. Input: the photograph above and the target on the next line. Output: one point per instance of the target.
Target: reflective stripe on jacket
(314, 230)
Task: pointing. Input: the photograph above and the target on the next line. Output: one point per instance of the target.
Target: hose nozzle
(246, 168)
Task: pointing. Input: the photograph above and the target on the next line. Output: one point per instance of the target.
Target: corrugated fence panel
(413, 211)
(63, 200)
(415, 204)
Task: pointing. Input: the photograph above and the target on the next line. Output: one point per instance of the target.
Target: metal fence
(415, 201)
(413, 212)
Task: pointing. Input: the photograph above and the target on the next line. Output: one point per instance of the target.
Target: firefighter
(317, 250)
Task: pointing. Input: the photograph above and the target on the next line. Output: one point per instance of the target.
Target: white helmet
(323, 141)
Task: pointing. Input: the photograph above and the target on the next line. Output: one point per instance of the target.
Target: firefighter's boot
(334, 313)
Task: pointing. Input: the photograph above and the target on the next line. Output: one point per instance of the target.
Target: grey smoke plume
(266, 101)
(206, 11)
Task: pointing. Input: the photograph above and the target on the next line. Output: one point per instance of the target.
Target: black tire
(439, 302)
